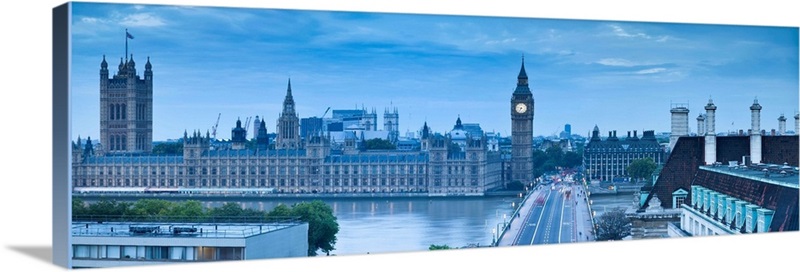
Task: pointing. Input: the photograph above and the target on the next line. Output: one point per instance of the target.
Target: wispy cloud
(142, 20)
(432, 67)
(650, 71)
(617, 62)
(91, 20)
(621, 32)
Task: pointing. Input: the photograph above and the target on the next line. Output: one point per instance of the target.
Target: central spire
(288, 102)
(522, 80)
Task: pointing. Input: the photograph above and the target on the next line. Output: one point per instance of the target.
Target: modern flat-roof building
(112, 244)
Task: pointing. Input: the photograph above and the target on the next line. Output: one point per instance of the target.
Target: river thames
(390, 225)
(407, 224)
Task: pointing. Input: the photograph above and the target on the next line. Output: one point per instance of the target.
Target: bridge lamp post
(494, 236)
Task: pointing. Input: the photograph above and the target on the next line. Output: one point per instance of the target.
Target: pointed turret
(288, 127)
(89, 148)
(595, 134)
(104, 64)
(288, 101)
(522, 80)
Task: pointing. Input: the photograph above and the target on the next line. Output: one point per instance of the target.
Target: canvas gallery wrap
(199, 134)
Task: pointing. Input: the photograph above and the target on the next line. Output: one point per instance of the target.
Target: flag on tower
(129, 35)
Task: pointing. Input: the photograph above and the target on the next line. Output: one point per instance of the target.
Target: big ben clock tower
(522, 130)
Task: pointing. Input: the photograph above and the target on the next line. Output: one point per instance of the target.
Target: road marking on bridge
(539, 221)
(562, 220)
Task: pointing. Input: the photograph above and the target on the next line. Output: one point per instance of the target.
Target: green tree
(79, 207)
(438, 247)
(149, 208)
(572, 159)
(555, 155)
(613, 225)
(641, 168)
(322, 225)
(229, 209)
(188, 209)
(168, 149)
(107, 207)
(280, 211)
(378, 144)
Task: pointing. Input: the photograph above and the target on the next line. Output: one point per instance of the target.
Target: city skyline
(433, 69)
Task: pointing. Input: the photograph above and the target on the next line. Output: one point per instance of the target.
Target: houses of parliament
(290, 164)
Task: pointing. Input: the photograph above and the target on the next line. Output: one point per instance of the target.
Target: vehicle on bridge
(539, 201)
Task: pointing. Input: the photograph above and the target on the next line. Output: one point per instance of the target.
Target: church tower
(390, 123)
(126, 108)
(522, 130)
(288, 124)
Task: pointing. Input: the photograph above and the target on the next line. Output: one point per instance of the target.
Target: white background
(25, 77)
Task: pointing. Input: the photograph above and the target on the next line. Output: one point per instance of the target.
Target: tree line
(322, 224)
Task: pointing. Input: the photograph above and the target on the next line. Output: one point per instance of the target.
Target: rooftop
(782, 175)
(178, 229)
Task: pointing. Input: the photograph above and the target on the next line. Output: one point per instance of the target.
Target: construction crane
(326, 112)
(214, 128)
(246, 126)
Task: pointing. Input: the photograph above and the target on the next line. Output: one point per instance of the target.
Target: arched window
(111, 142)
(117, 113)
(111, 111)
(124, 111)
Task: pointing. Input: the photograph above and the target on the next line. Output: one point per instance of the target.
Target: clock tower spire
(522, 130)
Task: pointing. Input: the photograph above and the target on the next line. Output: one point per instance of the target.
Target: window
(679, 201)
(156, 252)
(230, 253)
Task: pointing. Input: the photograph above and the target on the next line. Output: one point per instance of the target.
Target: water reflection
(398, 225)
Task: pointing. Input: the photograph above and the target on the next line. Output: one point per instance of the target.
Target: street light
(499, 233)
(494, 236)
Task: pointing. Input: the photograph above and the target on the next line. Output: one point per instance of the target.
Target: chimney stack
(680, 123)
(782, 125)
(701, 125)
(711, 137)
(755, 137)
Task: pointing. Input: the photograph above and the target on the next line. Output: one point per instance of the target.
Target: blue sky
(617, 75)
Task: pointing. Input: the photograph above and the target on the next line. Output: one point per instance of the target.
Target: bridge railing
(506, 226)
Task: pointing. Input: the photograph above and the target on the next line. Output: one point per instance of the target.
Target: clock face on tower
(521, 108)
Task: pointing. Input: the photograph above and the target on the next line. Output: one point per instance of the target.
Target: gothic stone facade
(293, 166)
